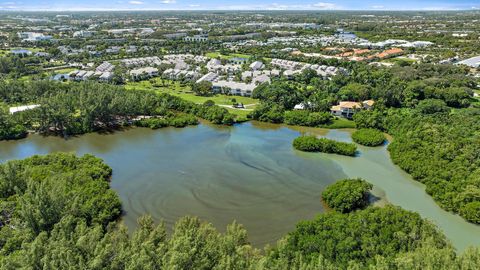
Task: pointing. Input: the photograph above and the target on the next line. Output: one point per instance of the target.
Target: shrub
(368, 137)
(181, 120)
(471, 212)
(305, 118)
(347, 195)
(369, 119)
(268, 113)
(13, 132)
(10, 127)
(358, 237)
(314, 144)
(209, 103)
(431, 106)
(153, 123)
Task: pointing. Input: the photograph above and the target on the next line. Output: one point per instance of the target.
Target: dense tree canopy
(347, 195)
(440, 150)
(175, 121)
(397, 87)
(306, 118)
(203, 88)
(357, 237)
(368, 137)
(36, 193)
(430, 106)
(10, 128)
(281, 93)
(68, 109)
(57, 212)
(314, 144)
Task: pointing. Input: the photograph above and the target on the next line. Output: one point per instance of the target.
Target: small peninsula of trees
(177, 121)
(69, 109)
(368, 137)
(438, 149)
(347, 195)
(314, 144)
(359, 238)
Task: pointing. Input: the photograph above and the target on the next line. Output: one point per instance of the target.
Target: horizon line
(233, 10)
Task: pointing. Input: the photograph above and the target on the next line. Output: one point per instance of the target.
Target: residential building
(83, 34)
(473, 62)
(33, 37)
(21, 52)
(105, 67)
(142, 73)
(238, 60)
(22, 108)
(209, 77)
(197, 38)
(178, 35)
(257, 65)
(233, 88)
(348, 108)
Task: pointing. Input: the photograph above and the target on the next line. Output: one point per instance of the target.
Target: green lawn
(229, 56)
(341, 123)
(5, 52)
(400, 60)
(241, 114)
(62, 71)
(213, 55)
(184, 91)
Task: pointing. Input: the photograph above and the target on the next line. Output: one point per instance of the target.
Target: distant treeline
(395, 87)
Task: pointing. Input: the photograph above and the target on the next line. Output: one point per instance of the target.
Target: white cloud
(323, 5)
(168, 1)
(439, 8)
(135, 2)
(194, 5)
(378, 7)
(276, 6)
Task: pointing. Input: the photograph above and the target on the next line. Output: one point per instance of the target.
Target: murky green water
(248, 173)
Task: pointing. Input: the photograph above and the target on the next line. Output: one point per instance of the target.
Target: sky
(72, 5)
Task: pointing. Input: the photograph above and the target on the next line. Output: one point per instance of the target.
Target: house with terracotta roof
(348, 108)
(368, 104)
(390, 52)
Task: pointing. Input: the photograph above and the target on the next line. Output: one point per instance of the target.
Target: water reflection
(248, 173)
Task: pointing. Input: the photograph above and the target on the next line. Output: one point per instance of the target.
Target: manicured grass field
(62, 71)
(341, 123)
(184, 91)
(229, 56)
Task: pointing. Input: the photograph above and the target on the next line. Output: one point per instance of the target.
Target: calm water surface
(248, 173)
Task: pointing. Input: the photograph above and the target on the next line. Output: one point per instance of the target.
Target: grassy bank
(185, 92)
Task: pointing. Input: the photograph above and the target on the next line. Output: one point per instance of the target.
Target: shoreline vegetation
(324, 145)
(347, 195)
(437, 148)
(73, 109)
(81, 227)
(369, 137)
(68, 109)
